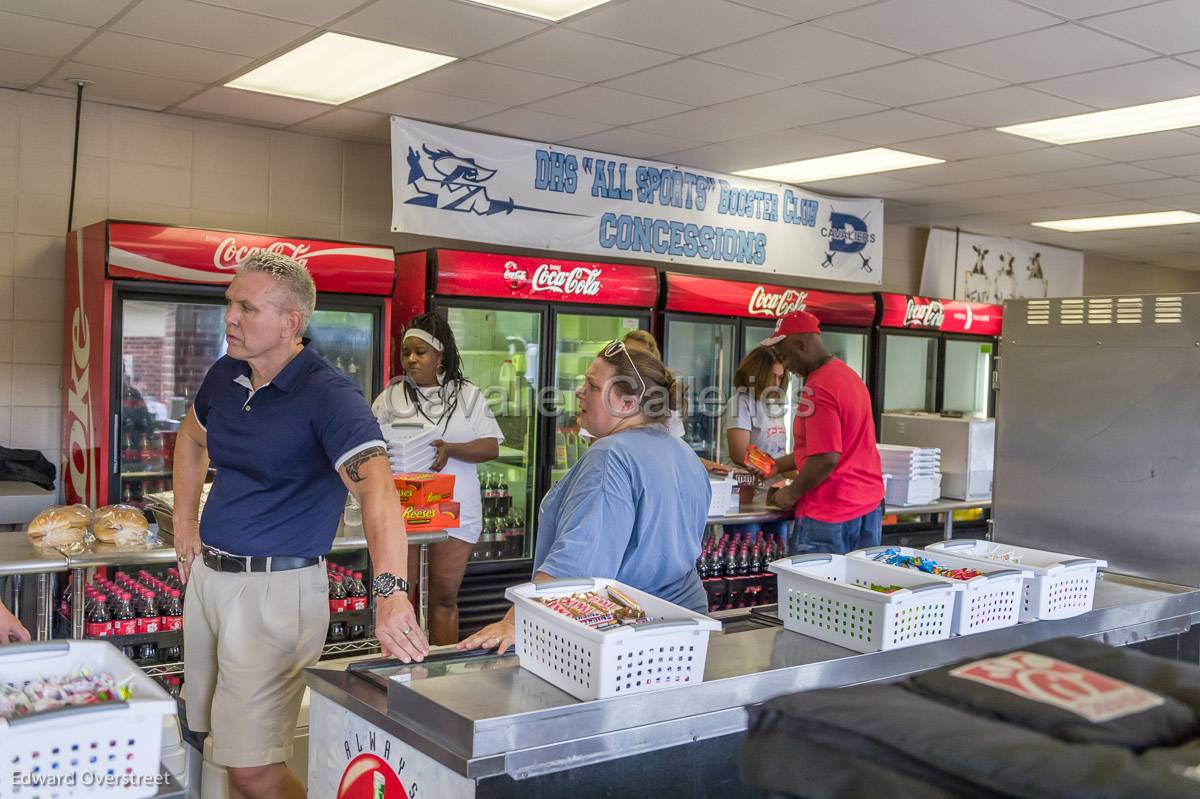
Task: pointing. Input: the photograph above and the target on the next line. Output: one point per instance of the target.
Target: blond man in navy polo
(289, 435)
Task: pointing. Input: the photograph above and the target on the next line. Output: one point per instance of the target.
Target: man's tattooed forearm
(356, 461)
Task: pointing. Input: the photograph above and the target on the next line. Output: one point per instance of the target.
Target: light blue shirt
(632, 509)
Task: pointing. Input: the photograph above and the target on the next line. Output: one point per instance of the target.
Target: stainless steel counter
(482, 717)
(755, 512)
(19, 558)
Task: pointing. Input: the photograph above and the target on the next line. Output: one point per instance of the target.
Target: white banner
(964, 266)
(463, 185)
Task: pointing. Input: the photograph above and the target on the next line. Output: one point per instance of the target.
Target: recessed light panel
(862, 162)
(553, 10)
(1097, 125)
(1121, 222)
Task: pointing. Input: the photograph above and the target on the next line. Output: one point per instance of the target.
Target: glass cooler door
(909, 373)
(347, 340)
(499, 350)
(967, 377)
(577, 340)
(701, 354)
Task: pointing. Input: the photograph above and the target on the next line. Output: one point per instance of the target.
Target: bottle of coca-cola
(503, 500)
(97, 623)
(147, 613)
(357, 592)
(124, 621)
(171, 611)
(337, 595)
(129, 457)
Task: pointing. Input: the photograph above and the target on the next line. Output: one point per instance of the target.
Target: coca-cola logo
(580, 280)
(514, 275)
(79, 398)
(229, 254)
(772, 303)
(931, 314)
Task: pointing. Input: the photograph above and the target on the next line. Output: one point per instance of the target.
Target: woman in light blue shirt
(633, 508)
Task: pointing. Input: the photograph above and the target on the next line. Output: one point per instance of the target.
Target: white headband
(428, 338)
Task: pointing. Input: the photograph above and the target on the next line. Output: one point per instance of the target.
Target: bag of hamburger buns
(60, 525)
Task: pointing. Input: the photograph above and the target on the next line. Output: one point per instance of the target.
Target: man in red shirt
(838, 494)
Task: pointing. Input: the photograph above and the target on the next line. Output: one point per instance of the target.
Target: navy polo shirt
(277, 451)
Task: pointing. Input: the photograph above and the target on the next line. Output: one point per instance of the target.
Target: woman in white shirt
(758, 415)
(434, 392)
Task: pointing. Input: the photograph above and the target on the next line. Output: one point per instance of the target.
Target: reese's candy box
(424, 518)
(424, 488)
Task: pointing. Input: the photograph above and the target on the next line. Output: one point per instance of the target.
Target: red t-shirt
(835, 415)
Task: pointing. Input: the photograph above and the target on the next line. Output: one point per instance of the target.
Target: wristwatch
(385, 584)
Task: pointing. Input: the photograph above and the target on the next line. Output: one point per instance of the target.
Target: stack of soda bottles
(733, 569)
(347, 593)
(136, 606)
(503, 534)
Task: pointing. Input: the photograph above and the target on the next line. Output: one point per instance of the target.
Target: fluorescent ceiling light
(334, 69)
(1131, 121)
(1122, 221)
(863, 162)
(553, 10)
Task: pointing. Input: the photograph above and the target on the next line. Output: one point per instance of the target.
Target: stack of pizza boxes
(428, 500)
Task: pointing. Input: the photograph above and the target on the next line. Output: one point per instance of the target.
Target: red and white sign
(706, 295)
(480, 274)
(947, 316)
(1096, 697)
(193, 255)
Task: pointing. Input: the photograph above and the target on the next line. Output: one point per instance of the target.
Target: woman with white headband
(434, 392)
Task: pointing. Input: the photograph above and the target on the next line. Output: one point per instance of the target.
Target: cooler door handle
(116, 444)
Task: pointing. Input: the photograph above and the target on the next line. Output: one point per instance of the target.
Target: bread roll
(120, 524)
(60, 517)
(63, 537)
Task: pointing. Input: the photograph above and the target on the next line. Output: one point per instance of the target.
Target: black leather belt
(219, 561)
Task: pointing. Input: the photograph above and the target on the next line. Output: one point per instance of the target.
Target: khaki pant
(247, 637)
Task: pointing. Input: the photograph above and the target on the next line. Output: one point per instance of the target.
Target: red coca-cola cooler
(710, 324)
(144, 321)
(527, 328)
(936, 356)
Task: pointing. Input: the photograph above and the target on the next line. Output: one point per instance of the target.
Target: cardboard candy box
(424, 518)
(424, 488)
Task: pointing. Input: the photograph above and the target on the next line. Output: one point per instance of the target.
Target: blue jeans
(781, 530)
(810, 535)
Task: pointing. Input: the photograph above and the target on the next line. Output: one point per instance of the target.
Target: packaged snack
(760, 461)
(424, 518)
(424, 488)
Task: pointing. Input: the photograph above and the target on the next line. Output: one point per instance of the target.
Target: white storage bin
(829, 597)
(89, 748)
(987, 602)
(724, 496)
(902, 491)
(1061, 586)
(666, 652)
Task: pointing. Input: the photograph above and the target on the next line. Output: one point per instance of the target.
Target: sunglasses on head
(617, 345)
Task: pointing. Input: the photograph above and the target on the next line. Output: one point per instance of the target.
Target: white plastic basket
(97, 751)
(987, 602)
(666, 652)
(829, 597)
(1061, 585)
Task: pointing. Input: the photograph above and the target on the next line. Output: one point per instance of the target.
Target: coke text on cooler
(229, 255)
(930, 315)
(580, 280)
(770, 303)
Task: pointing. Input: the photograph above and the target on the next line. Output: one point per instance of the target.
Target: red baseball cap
(795, 322)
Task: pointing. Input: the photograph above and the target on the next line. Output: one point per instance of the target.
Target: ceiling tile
(630, 142)
(999, 187)
(1047, 53)
(132, 88)
(570, 54)
(1006, 106)
(349, 123)
(154, 57)
(1152, 189)
(797, 105)
(768, 148)
(806, 10)
(308, 12)
(1141, 148)
(927, 195)
(1169, 27)
(1063, 197)
(1182, 202)
(21, 70)
(600, 104)
(441, 26)
(685, 26)
(535, 126)
(804, 52)
(431, 107)
(490, 83)
(1191, 58)
(1132, 84)
(704, 125)
(915, 81)
(92, 13)
(927, 26)
(695, 82)
(210, 27)
(949, 173)
(1101, 175)
(1182, 165)
(40, 36)
(972, 144)
(1041, 162)
(888, 127)
(863, 185)
(1080, 9)
(264, 108)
